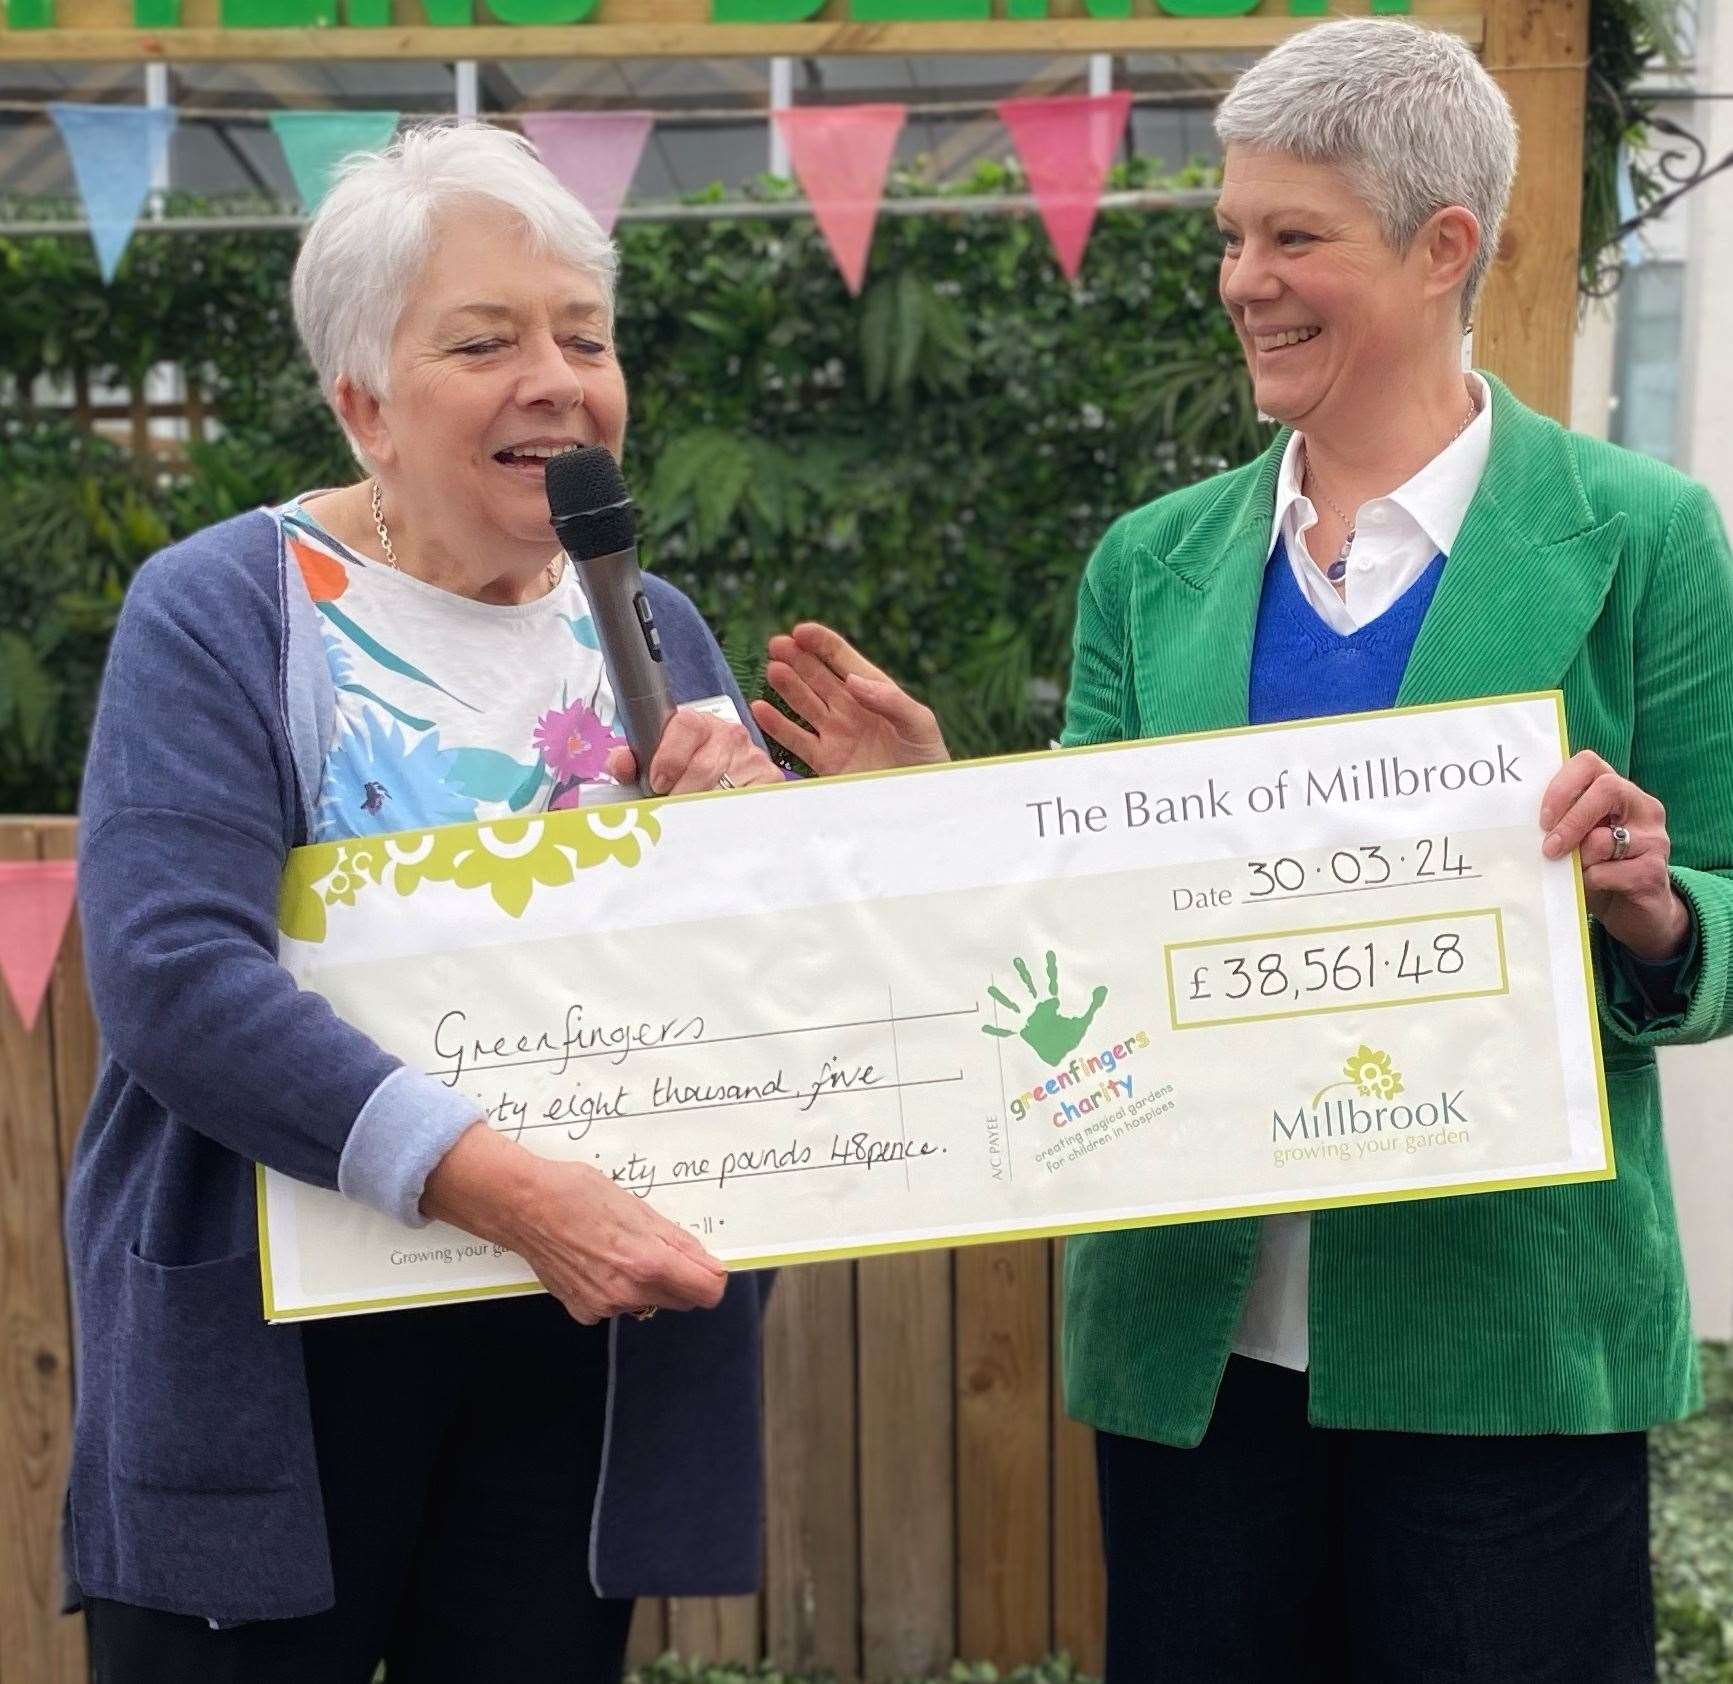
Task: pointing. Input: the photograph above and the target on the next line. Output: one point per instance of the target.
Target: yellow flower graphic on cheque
(510, 858)
(1370, 1072)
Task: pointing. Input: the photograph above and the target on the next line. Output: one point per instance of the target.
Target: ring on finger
(725, 782)
(645, 1313)
(1621, 841)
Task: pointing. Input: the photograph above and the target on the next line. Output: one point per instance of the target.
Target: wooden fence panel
(812, 1515)
(926, 1497)
(73, 1025)
(907, 1496)
(649, 1638)
(1004, 1583)
(1079, 1575)
(1526, 331)
(714, 1628)
(37, 1646)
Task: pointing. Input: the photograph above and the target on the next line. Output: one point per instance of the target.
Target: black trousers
(1282, 1553)
(458, 1453)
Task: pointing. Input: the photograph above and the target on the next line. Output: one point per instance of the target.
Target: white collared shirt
(1396, 539)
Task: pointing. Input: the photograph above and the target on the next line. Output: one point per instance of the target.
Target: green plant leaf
(877, 334)
(912, 295)
(28, 693)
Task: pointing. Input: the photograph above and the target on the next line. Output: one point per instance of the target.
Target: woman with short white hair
(1400, 1443)
(474, 1492)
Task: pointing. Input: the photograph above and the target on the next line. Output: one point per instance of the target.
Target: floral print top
(450, 710)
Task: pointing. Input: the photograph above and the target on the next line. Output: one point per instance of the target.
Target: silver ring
(1621, 841)
(725, 782)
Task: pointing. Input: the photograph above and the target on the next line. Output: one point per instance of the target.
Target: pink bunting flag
(594, 154)
(841, 155)
(35, 902)
(1066, 146)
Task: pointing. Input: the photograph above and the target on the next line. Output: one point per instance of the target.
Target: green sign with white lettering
(463, 14)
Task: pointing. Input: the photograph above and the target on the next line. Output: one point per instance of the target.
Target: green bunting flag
(316, 142)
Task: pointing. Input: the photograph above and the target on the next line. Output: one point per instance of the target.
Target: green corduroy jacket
(1554, 1310)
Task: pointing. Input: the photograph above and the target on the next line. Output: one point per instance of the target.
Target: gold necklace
(379, 526)
(1337, 571)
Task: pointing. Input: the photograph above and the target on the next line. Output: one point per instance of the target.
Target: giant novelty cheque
(1272, 969)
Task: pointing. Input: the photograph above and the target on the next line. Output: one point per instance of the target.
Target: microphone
(593, 519)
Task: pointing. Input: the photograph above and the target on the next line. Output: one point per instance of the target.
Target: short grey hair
(374, 231)
(1408, 113)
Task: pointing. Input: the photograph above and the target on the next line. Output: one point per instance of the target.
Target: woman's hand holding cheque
(600, 1250)
(1622, 833)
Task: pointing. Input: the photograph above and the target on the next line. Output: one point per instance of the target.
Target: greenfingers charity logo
(1052, 1034)
(1081, 1084)
(509, 858)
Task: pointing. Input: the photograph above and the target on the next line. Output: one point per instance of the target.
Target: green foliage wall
(927, 466)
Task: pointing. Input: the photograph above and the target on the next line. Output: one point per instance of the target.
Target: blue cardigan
(193, 1486)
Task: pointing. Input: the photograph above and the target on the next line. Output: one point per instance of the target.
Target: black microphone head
(589, 504)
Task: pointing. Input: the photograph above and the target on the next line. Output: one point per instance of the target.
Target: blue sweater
(193, 1485)
(1304, 669)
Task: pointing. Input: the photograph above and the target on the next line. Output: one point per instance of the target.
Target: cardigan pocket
(199, 1378)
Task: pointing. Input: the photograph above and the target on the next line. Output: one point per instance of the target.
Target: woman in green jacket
(1400, 1443)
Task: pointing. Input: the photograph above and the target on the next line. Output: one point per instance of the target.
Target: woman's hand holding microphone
(698, 751)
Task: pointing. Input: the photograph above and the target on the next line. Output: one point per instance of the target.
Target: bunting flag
(594, 153)
(35, 902)
(841, 155)
(1066, 146)
(116, 151)
(316, 142)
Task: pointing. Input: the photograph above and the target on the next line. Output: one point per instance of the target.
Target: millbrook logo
(1371, 1075)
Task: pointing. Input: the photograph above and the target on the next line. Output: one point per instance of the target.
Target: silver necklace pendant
(1337, 571)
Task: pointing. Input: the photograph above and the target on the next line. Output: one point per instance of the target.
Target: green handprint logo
(1052, 1034)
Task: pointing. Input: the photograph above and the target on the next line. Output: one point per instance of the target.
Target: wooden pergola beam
(1539, 52)
(688, 39)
